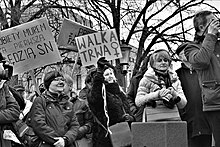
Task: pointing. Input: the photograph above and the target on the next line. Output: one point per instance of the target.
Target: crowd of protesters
(59, 118)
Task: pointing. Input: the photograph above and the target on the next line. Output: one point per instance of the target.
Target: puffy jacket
(147, 86)
(9, 112)
(52, 116)
(205, 59)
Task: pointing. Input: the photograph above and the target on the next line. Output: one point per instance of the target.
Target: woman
(52, 117)
(160, 90)
(107, 102)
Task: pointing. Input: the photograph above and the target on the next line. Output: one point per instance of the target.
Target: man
(9, 110)
(204, 56)
(198, 129)
(52, 117)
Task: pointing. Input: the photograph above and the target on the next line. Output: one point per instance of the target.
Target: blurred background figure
(132, 91)
(82, 113)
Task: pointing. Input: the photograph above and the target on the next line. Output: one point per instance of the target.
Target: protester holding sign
(107, 102)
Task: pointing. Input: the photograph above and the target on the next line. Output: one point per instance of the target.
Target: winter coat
(147, 86)
(197, 123)
(9, 112)
(84, 116)
(52, 116)
(117, 106)
(205, 59)
(131, 94)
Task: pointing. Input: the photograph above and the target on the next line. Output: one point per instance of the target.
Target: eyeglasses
(59, 79)
(163, 59)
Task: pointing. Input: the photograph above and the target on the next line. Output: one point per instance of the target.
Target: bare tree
(154, 22)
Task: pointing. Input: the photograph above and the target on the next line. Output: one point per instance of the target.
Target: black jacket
(192, 113)
(131, 95)
(117, 106)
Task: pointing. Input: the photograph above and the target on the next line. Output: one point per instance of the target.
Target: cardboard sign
(101, 44)
(29, 46)
(69, 31)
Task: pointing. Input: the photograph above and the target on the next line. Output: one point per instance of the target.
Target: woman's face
(57, 85)
(109, 75)
(161, 63)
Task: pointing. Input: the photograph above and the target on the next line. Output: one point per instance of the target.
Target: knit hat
(49, 77)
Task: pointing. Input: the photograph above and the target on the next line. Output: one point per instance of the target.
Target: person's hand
(60, 142)
(128, 118)
(133, 109)
(214, 27)
(173, 92)
(102, 62)
(163, 92)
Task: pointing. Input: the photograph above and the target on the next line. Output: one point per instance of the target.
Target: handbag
(120, 134)
(84, 142)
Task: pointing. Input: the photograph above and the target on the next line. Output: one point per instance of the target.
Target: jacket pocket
(211, 92)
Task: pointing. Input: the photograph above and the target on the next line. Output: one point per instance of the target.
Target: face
(57, 85)
(161, 63)
(109, 75)
(67, 88)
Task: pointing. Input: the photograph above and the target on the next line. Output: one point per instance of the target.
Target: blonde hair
(158, 54)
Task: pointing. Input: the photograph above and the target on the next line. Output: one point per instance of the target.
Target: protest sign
(69, 31)
(101, 44)
(29, 46)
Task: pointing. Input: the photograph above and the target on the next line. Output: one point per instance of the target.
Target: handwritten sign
(101, 44)
(69, 31)
(29, 46)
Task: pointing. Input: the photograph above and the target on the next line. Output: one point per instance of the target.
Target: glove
(128, 118)
(82, 131)
(103, 63)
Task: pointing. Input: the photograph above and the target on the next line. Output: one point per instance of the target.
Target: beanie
(49, 77)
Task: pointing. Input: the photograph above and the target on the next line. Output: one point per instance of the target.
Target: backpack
(17, 97)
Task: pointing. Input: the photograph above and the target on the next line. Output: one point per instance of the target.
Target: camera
(6, 73)
(170, 103)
